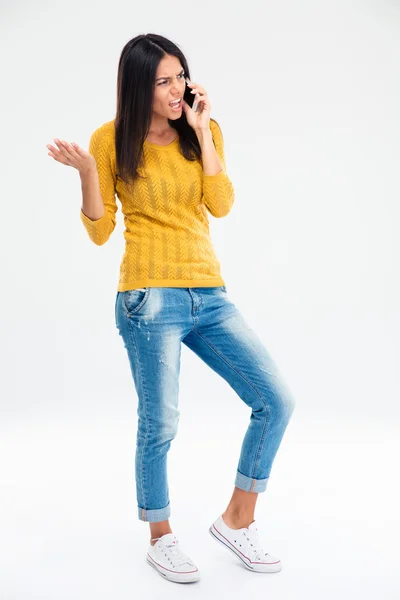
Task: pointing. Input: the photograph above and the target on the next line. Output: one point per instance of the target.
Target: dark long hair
(135, 90)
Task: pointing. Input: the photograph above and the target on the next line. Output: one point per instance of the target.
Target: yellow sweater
(167, 237)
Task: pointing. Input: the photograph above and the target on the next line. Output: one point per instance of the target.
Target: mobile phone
(196, 99)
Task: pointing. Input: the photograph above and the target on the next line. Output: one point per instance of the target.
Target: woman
(165, 161)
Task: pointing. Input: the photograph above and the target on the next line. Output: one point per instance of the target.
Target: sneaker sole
(272, 569)
(171, 577)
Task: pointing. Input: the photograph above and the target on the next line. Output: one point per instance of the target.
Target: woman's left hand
(201, 118)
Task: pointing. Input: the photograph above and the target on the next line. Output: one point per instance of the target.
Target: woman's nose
(176, 85)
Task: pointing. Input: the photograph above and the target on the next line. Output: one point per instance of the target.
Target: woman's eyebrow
(180, 73)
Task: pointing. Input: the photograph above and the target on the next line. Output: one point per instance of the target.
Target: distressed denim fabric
(153, 323)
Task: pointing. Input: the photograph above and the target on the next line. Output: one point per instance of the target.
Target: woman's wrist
(203, 134)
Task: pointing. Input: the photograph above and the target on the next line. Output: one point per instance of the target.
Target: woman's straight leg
(148, 321)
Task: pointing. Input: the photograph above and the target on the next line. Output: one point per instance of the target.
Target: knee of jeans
(284, 407)
(290, 404)
(167, 433)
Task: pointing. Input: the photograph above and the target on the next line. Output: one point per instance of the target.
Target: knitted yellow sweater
(167, 237)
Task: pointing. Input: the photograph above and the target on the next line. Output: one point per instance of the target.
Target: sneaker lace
(255, 549)
(173, 551)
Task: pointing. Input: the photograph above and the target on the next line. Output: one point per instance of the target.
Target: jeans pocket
(135, 299)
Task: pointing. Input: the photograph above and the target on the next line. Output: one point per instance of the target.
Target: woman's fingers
(196, 86)
(60, 150)
(77, 149)
(59, 157)
(65, 152)
(72, 155)
(198, 89)
(68, 150)
(55, 151)
(60, 154)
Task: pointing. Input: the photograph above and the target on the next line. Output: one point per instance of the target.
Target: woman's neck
(160, 127)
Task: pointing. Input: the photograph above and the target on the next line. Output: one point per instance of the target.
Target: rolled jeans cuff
(155, 514)
(249, 484)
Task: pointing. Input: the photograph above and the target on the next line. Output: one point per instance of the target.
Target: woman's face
(169, 85)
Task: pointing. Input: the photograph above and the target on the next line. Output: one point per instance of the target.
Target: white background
(307, 96)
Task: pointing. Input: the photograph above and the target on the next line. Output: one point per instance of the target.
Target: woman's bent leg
(230, 347)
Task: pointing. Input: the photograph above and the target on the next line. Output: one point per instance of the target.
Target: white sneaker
(170, 561)
(245, 543)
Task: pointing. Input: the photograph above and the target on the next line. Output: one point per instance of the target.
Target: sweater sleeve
(218, 192)
(100, 230)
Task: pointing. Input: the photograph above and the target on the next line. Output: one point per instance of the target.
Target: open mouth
(176, 105)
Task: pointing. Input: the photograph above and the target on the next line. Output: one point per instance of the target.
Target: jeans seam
(252, 386)
(132, 336)
(115, 310)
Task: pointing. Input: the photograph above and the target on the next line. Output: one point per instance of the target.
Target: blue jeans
(153, 322)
